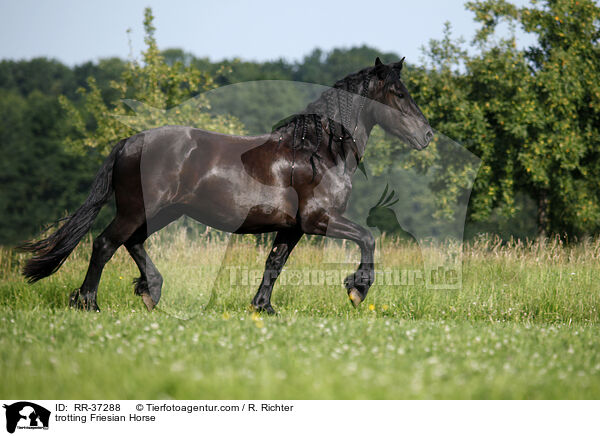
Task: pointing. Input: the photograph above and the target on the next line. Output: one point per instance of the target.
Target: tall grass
(538, 281)
(524, 324)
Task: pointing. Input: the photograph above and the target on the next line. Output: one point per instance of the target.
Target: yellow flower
(120, 277)
(385, 307)
(371, 307)
(226, 315)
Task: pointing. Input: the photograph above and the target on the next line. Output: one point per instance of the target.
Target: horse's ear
(398, 65)
(380, 68)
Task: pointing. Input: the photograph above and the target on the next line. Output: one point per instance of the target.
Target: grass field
(524, 325)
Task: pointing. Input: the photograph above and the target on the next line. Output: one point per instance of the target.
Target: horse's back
(207, 175)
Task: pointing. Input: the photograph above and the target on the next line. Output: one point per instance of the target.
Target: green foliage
(39, 182)
(328, 68)
(533, 116)
(40, 74)
(157, 84)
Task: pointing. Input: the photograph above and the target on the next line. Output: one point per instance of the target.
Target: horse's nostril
(429, 135)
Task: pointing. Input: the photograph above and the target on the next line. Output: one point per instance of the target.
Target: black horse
(293, 181)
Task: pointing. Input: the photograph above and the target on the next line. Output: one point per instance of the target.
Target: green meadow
(524, 325)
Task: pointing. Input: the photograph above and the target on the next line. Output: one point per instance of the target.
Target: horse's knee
(369, 241)
(102, 250)
(98, 245)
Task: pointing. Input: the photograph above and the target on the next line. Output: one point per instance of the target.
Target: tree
(546, 117)
(533, 116)
(38, 180)
(151, 86)
(327, 68)
(48, 76)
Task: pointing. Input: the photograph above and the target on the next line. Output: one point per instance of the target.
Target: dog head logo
(26, 415)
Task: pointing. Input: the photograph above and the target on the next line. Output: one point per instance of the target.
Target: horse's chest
(342, 194)
(334, 190)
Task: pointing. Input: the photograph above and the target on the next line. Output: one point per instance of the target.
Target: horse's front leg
(335, 225)
(284, 243)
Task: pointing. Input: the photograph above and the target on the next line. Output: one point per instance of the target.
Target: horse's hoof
(149, 302)
(355, 297)
(80, 302)
(268, 309)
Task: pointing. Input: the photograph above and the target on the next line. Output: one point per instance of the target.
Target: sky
(78, 31)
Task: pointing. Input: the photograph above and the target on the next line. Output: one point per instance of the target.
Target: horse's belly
(238, 203)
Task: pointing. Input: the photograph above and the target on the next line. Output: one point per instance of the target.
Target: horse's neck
(360, 135)
(358, 139)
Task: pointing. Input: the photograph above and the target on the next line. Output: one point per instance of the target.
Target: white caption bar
(264, 417)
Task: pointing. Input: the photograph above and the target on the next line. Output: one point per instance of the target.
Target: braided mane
(337, 108)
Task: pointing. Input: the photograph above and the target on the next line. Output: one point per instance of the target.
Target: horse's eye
(399, 94)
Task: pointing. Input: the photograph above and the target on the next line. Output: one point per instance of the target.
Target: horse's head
(398, 114)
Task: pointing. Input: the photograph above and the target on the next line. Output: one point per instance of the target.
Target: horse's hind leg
(149, 284)
(284, 243)
(105, 245)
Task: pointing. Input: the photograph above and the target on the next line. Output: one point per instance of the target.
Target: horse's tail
(51, 252)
